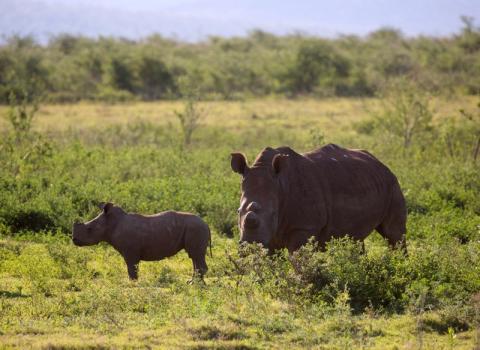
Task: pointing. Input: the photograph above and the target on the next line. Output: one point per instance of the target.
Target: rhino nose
(251, 220)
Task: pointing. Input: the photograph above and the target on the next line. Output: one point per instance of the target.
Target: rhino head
(258, 214)
(97, 229)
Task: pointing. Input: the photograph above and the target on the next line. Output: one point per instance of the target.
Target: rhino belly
(159, 246)
(357, 216)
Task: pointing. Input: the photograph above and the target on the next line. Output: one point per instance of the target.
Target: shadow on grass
(442, 326)
(222, 347)
(215, 333)
(12, 295)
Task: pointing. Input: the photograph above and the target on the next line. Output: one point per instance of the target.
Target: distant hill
(196, 19)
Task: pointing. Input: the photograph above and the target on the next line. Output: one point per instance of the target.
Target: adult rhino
(330, 192)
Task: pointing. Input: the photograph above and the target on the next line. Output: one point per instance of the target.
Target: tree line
(71, 68)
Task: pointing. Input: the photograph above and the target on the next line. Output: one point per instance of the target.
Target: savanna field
(54, 295)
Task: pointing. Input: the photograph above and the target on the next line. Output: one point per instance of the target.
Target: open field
(54, 295)
(334, 115)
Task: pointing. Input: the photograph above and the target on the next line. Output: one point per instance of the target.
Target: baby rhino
(147, 237)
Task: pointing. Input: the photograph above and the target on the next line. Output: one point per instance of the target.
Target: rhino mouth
(262, 243)
(78, 242)
(255, 240)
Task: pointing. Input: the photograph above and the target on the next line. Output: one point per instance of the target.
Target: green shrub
(110, 95)
(37, 267)
(381, 278)
(375, 278)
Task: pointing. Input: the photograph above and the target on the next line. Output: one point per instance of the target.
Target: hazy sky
(196, 19)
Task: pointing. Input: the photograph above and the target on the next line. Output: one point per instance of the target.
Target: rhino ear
(279, 163)
(105, 206)
(239, 163)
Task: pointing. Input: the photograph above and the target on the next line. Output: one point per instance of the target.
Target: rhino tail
(210, 243)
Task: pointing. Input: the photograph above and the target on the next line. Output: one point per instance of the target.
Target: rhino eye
(239, 210)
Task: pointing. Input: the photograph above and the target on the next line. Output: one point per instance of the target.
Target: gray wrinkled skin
(288, 197)
(147, 237)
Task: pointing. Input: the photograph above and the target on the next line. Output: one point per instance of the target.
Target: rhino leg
(200, 267)
(298, 239)
(132, 266)
(196, 243)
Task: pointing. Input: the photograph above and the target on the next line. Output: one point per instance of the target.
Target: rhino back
(357, 189)
(152, 237)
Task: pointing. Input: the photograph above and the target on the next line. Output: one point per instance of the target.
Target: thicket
(434, 276)
(71, 68)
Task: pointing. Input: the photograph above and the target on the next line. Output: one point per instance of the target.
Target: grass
(54, 295)
(332, 114)
(83, 299)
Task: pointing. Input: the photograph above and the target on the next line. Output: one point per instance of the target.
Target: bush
(36, 266)
(406, 111)
(373, 279)
(381, 278)
(111, 95)
(30, 220)
(189, 119)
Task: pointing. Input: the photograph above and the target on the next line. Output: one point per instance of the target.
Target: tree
(405, 110)
(313, 61)
(155, 78)
(65, 43)
(474, 121)
(122, 75)
(21, 113)
(189, 119)
(470, 37)
(317, 64)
